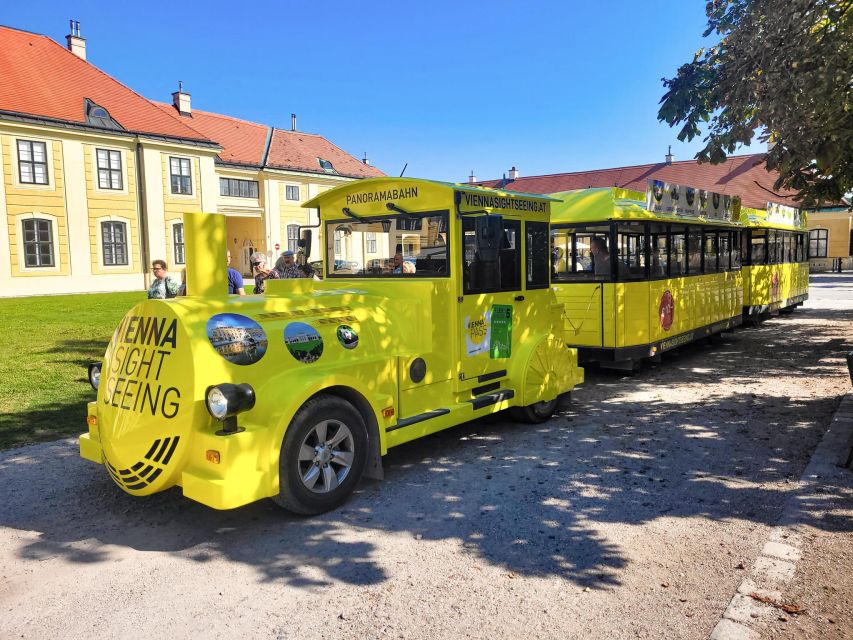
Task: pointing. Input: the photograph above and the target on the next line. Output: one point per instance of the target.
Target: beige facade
(830, 240)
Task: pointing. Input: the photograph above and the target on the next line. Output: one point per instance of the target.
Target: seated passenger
(600, 256)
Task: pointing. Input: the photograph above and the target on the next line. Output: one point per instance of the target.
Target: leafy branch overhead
(782, 72)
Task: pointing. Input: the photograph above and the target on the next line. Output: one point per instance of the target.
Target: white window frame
(16, 171)
(180, 160)
(817, 241)
(173, 245)
(122, 170)
(293, 237)
(287, 191)
(54, 231)
(127, 246)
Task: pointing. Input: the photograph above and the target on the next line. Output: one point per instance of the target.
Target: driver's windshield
(393, 246)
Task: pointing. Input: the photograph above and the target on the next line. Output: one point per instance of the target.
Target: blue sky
(447, 87)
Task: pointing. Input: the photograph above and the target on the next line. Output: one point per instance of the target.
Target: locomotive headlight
(225, 401)
(95, 375)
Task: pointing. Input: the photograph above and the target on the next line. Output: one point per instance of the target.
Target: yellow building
(95, 178)
(831, 239)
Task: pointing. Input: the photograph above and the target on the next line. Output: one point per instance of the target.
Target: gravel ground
(633, 514)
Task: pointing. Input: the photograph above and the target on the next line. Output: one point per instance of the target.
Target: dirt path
(633, 515)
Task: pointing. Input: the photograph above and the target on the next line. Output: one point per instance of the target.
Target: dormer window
(326, 166)
(98, 116)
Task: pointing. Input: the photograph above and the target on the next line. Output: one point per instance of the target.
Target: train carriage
(636, 282)
(776, 262)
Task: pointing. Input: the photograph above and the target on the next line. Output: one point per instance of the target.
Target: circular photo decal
(303, 341)
(347, 337)
(237, 338)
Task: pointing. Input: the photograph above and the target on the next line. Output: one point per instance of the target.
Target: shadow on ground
(525, 498)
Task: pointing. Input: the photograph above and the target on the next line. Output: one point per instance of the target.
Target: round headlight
(95, 375)
(217, 403)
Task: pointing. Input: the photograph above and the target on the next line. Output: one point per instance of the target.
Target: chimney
(181, 100)
(472, 178)
(669, 155)
(76, 42)
(293, 122)
(365, 160)
(513, 174)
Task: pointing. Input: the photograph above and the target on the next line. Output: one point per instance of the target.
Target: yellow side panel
(582, 313)
(632, 325)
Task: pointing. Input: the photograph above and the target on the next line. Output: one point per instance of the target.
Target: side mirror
(305, 242)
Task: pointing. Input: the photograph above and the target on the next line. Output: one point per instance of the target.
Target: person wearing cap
(258, 262)
(287, 267)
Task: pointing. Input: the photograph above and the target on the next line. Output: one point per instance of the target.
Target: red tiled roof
(242, 142)
(39, 77)
(299, 151)
(743, 176)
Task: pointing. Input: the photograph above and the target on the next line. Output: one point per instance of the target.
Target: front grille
(146, 471)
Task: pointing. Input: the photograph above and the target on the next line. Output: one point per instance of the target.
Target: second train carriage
(635, 283)
(775, 260)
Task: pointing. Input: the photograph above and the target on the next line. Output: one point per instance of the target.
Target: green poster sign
(501, 331)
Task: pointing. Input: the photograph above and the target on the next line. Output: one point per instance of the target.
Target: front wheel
(322, 456)
(536, 412)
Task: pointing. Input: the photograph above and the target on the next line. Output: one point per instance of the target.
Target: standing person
(287, 267)
(163, 286)
(258, 261)
(235, 278)
(182, 289)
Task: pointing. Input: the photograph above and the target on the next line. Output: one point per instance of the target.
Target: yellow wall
(35, 199)
(176, 205)
(838, 224)
(105, 204)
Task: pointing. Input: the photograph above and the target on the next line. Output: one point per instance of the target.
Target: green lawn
(48, 341)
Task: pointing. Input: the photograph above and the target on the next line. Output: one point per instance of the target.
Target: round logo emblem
(347, 337)
(303, 341)
(667, 310)
(237, 338)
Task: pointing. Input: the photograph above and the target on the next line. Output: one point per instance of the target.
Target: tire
(534, 413)
(322, 456)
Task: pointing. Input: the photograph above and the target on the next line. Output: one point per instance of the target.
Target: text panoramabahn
(140, 348)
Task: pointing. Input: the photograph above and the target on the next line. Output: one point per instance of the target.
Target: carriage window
(536, 254)
(631, 251)
(725, 247)
(710, 249)
(789, 246)
(694, 250)
(395, 246)
(495, 269)
(736, 255)
(659, 245)
(581, 253)
(677, 252)
(772, 247)
(757, 246)
(801, 247)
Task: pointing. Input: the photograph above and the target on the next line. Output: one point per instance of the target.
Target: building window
(338, 236)
(32, 162)
(817, 243)
(114, 243)
(238, 188)
(370, 238)
(38, 242)
(293, 237)
(291, 192)
(181, 178)
(178, 243)
(109, 169)
(326, 166)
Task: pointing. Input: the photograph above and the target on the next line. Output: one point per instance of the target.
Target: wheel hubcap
(326, 456)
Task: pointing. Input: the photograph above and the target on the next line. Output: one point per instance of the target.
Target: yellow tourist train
(436, 309)
(640, 274)
(776, 261)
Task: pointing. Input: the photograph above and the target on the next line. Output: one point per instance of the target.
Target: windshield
(396, 246)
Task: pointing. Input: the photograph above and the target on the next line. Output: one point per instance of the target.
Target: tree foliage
(782, 71)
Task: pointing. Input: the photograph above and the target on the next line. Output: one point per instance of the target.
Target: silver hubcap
(326, 455)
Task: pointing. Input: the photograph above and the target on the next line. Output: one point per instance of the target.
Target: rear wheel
(536, 412)
(322, 456)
